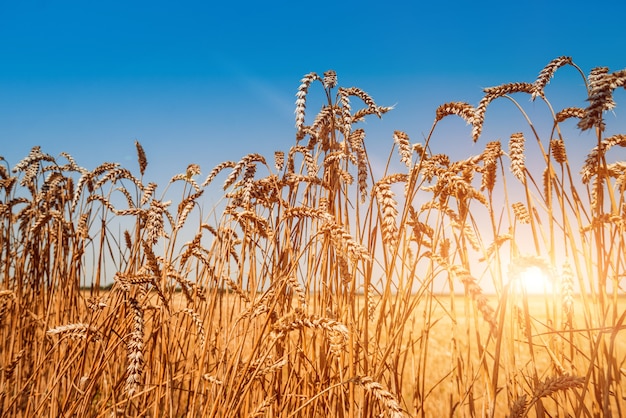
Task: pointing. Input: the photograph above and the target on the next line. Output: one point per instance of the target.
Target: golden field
(316, 287)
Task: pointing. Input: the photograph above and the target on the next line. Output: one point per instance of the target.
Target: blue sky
(204, 82)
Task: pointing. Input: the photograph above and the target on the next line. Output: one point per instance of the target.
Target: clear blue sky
(205, 81)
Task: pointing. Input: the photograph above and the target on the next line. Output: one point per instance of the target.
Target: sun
(535, 280)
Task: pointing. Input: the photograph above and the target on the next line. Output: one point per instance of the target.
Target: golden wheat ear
(380, 393)
(141, 158)
(135, 349)
(330, 79)
(517, 156)
(547, 73)
(301, 102)
(461, 109)
(492, 93)
(601, 86)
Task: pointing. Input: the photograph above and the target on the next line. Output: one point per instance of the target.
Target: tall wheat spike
(135, 349)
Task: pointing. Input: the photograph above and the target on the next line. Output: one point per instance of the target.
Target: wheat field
(314, 288)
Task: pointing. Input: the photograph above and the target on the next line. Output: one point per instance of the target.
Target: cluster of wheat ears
(313, 288)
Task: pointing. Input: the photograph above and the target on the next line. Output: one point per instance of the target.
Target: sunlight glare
(535, 280)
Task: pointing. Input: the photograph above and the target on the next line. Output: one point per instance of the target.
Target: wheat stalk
(293, 260)
(330, 79)
(473, 289)
(594, 158)
(187, 178)
(492, 93)
(279, 160)
(558, 151)
(78, 331)
(516, 154)
(344, 242)
(337, 332)
(301, 102)
(135, 347)
(33, 158)
(461, 109)
(386, 200)
(216, 170)
(491, 155)
(404, 147)
(547, 73)
(9, 369)
(567, 292)
(141, 158)
(185, 207)
(199, 325)
(518, 407)
(569, 112)
(556, 384)
(520, 212)
(356, 139)
(600, 99)
(380, 393)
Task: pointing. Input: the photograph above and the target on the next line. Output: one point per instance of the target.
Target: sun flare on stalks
(314, 287)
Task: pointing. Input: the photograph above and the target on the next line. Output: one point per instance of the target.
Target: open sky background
(204, 82)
